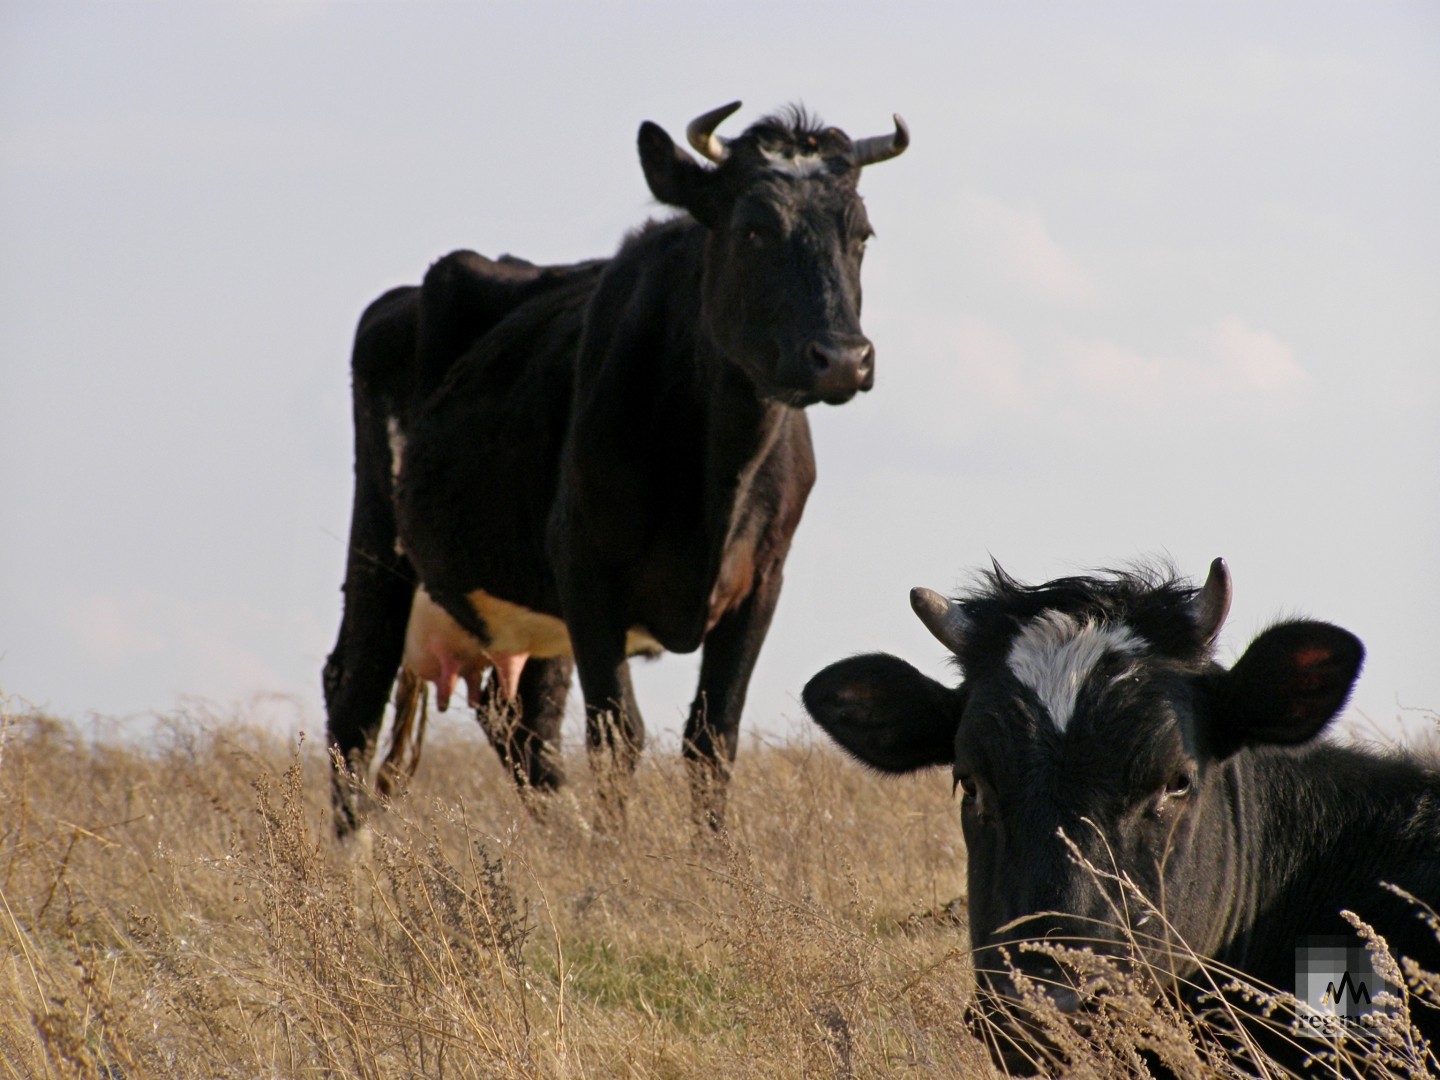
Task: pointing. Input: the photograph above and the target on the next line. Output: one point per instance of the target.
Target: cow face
(1089, 744)
(787, 230)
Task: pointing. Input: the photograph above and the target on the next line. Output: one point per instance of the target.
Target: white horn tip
(928, 603)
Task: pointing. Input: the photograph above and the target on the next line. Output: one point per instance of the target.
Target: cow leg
(713, 727)
(617, 730)
(379, 588)
(360, 671)
(614, 737)
(614, 731)
(526, 732)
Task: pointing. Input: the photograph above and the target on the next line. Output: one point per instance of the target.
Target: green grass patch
(666, 986)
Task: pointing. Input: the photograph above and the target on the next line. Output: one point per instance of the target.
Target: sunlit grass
(181, 910)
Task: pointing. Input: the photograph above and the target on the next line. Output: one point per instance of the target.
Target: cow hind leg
(412, 706)
(526, 732)
(379, 581)
(358, 676)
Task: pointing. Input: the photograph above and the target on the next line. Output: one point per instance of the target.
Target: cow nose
(841, 370)
(1056, 982)
(1003, 1018)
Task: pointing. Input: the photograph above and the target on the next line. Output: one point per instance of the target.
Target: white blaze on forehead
(1055, 654)
(800, 165)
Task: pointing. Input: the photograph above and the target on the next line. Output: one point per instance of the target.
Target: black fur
(618, 443)
(1204, 786)
(1152, 601)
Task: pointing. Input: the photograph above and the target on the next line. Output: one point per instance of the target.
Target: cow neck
(1277, 841)
(1302, 817)
(741, 431)
(656, 367)
(1244, 842)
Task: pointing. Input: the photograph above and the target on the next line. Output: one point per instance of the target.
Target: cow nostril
(855, 360)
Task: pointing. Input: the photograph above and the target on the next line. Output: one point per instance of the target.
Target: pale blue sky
(1150, 280)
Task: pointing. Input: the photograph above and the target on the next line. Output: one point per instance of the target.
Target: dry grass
(181, 911)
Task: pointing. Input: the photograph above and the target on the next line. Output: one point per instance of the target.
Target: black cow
(602, 459)
(1093, 708)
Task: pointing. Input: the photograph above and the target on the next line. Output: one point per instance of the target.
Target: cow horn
(941, 617)
(879, 148)
(1212, 602)
(701, 133)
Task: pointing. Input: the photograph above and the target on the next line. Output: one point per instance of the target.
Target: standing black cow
(603, 459)
(1093, 708)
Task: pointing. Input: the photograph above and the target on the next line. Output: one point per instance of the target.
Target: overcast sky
(1151, 280)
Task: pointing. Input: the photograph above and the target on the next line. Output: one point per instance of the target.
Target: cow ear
(675, 178)
(885, 713)
(1292, 681)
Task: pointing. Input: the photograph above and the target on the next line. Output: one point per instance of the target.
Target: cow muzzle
(1058, 986)
(840, 370)
(1023, 994)
(1004, 1015)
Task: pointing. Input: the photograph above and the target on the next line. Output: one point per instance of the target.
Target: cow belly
(440, 650)
(516, 629)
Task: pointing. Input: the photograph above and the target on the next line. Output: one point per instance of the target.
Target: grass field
(182, 911)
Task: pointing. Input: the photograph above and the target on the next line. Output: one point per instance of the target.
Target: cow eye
(1179, 784)
(967, 787)
(754, 235)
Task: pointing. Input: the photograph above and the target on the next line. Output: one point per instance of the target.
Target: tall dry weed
(180, 910)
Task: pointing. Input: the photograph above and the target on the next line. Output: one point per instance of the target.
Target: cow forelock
(799, 166)
(1055, 654)
(796, 144)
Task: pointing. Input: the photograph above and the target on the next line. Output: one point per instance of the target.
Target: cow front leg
(614, 737)
(526, 732)
(713, 727)
(614, 730)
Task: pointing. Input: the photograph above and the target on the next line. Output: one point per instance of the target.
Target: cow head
(1091, 726)
(787, 232)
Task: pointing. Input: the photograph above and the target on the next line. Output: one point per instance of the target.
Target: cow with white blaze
(560, 467)
(1093, 725)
